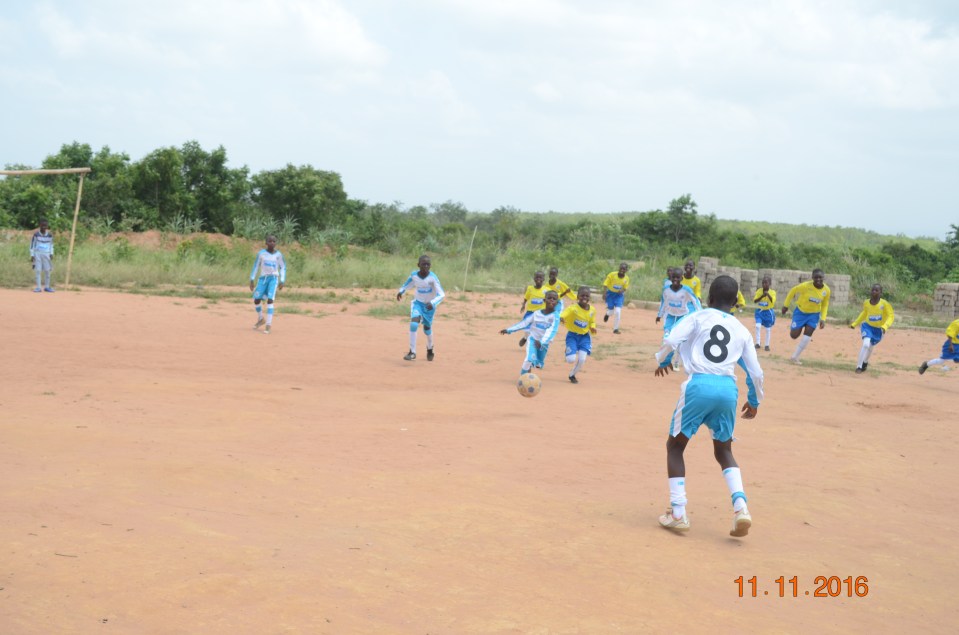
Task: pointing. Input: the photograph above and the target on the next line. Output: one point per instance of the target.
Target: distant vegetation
(181, 191)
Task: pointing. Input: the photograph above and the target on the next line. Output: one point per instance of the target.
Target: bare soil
(166, 469)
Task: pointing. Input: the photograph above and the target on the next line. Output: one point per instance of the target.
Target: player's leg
(864, 353)
(807, 327)
(675, 517)
(414, 327)
(617, 313)
(945, 356)
(270, 308)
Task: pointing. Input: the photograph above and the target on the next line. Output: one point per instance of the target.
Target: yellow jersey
(616, 284)
(695, 284)
(952, 332)
(765, 303)
(535, 299)
(809, 299)
(740, 300)
(879, 315)
(579, 320)
(561, 288)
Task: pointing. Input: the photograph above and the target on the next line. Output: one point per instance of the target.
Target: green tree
(314, 198)
(215, 192)
(158, 185)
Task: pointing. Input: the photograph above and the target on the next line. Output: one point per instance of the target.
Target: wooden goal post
(76, 210)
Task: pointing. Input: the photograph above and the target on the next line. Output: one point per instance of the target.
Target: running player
(711, 343)
(614, 292)
(765, 300)
(542, 326)
(876, 318)
(428, 295)
(812, 304)
(677, 302)
(561, 288)
(580, 322)
(950, 348)
(272, 271)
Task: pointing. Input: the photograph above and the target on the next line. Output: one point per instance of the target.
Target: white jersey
(676, 302)
(711, 342)
(269, 265)
(428, 289)
(542, 326)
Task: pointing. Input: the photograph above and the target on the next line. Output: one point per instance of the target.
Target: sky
(836, 113)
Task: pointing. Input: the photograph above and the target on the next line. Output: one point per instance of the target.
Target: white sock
(863, 352)
(429, 339)
(269, 314)
(734, 481)
(769, 334)
(677, 495)
(803, 343)
(413, 341)
(935, 362)
(616, 313)
(259, 311)
(759, 328)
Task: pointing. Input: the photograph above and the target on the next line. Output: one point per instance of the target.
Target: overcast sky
(842, 112)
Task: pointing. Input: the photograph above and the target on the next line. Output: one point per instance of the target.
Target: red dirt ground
(167, 469)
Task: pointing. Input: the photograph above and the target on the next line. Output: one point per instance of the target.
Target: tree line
(189, 189)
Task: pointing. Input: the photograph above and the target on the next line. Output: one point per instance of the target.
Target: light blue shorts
(670, 323)
(706, 399)
(536, 356)
(418, 309)
(266, 288)
(801, 319)
(42, 262)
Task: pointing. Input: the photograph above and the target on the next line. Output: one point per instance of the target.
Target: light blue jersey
(428, 289)
(542, 326)
(269, 265)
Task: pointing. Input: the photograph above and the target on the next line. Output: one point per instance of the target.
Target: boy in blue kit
(428, 295)
(542, 326)
(41, 256)
(711, 343)
(580, 322)
(677, 301)
(272, 271)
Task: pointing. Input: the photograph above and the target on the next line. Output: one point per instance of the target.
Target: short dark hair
(43, 221)
(723, 291)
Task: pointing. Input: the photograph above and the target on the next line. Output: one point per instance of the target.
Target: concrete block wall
(945, 300)
(782, 280)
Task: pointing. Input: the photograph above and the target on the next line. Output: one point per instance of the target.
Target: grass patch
(387, 311)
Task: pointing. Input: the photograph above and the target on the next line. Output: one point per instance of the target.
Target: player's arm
(551, 331)
(677, 336)
(695, 301)
(440, 294)
(281, 265)
(789, 298)
(888, 316)
(404, 287)
(522, 324)
(754, 374)
(256, 266)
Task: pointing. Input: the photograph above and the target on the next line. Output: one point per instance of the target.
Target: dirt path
(168, 470)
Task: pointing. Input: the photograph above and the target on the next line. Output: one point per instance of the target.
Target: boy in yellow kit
(580, 322)
(553, 283)
(614, 292)
(812, 304)
(950, 348)
(765, 300)
(533, 300)
(876, 317)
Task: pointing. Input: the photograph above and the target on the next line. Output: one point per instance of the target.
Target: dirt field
(166, 469)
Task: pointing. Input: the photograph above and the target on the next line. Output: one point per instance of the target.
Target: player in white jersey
(429, 294)
(41, 256)
(710, 342)
(542, 326)
(677, 302)
(272, 276)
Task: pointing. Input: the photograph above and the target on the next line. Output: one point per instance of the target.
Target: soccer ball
(529, 385)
